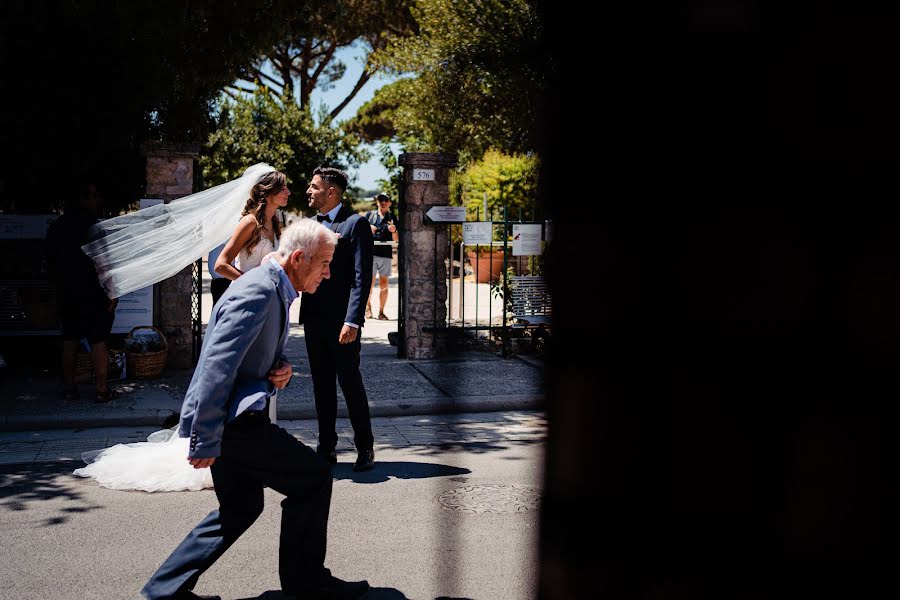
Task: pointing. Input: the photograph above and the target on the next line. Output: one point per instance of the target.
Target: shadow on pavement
(23, 485)
(372, 594)
(383, 471)
(470, 447)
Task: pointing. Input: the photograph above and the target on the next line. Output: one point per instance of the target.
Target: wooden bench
(530, 299)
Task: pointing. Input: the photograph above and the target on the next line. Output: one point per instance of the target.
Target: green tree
(275, 130)
(92, 80)
(306, 60)
(505, 180)
(476, 81)
(391, 185)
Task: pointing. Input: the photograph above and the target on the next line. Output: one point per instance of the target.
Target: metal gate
(196, 312)
(477, 314)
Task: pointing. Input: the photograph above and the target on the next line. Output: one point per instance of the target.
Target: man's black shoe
(329, 456)
(334, 589)
(193, 596)
(365, 460)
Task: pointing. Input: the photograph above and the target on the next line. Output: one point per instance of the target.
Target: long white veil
(144, 247)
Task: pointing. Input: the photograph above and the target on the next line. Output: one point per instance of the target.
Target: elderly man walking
(225, 416)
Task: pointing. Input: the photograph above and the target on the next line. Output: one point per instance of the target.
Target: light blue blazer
(245, 338)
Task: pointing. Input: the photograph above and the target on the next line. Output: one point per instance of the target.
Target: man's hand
(348, 334)
(280, 376)
(391, 227)
(201, 463)
(373, 229)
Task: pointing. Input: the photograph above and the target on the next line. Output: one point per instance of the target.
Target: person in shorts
(384, 229)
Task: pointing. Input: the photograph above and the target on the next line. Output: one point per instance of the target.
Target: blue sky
(368, 173)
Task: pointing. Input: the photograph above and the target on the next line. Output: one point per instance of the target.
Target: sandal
(106, 396)
(382, 317)
(368, 313)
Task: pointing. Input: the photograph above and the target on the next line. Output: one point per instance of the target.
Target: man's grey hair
(307, 235)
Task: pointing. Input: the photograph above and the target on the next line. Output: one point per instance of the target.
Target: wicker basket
(145, 365)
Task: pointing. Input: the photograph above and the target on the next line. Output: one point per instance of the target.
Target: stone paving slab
(384, 381)
(474, 378)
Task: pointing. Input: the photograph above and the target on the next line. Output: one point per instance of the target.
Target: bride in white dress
(160, 464)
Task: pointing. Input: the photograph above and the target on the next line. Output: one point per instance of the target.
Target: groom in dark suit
(225, 414)
(333, 317)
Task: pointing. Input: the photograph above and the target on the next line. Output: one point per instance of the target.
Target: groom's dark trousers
(329, 358)
(257, 454)
(340, 299)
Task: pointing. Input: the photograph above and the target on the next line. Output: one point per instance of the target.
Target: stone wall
(170, 175)
(421, 268)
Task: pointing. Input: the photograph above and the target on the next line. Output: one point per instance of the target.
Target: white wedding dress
(160, 464)
(246, 261)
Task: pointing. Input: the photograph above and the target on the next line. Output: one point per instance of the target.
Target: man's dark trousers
(329, 359)
(256, 454)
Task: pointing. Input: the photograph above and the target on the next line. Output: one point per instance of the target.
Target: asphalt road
(440, 516)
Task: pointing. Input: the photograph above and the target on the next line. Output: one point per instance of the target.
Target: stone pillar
(420, 266)
(170, 175)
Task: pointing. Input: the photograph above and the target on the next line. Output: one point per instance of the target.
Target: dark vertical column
(723, 377)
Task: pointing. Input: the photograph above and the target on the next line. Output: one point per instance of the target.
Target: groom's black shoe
(333, 589)
(329, 456)
(365, 460)
(193, 596)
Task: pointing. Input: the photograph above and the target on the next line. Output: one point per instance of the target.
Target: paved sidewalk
(466, 382)
(449, 430)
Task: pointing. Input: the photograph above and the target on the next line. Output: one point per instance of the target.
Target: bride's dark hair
(270, 184)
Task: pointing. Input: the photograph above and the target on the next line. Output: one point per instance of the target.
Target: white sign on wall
(478, 232)
(134, 310)
(423, 174)
(526, 240)
(24, 227)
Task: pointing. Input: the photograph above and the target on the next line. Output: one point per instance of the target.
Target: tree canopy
(90, 81)
(476, 78)
(307, 58)
(263, 128)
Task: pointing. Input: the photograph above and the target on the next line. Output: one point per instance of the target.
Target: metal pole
(434, 292)
(449, 274)
(462, 284)
(505, 288)
(491, 249)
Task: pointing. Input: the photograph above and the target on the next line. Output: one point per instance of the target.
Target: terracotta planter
(488, 266)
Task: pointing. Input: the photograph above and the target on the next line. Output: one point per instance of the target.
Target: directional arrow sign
(447, 214)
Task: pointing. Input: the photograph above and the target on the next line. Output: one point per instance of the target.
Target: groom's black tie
(321, 218)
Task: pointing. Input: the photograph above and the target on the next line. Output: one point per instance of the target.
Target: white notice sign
(134, 310)
(526, 240)
(478, 232)
(423, 174)
(24, 227)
